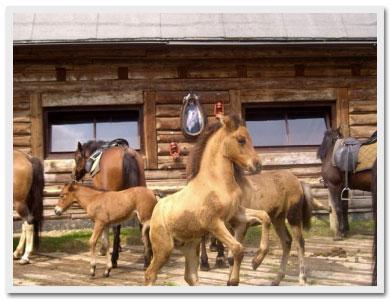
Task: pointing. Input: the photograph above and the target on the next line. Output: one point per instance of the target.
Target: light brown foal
(208, 202)
(109, 207)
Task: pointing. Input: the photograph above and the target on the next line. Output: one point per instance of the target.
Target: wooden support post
(343, 111)
(150, 129)
(36, 126)
(235, 101)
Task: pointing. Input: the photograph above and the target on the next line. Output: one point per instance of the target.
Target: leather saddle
(92, 164)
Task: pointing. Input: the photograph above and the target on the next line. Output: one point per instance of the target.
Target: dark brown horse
(334, 180)
(121, 167)
(28, 184)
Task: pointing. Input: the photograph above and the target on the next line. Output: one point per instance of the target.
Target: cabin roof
(41, 28)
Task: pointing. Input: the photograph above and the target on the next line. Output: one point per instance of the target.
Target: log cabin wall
(156, 77)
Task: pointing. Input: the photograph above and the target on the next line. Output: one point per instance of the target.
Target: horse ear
(79, 147)
(231, 122)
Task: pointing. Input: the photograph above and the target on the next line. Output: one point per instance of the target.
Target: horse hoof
(205, 267)
(92, 271)
(24, 261)
(115, 264)
(231, 260)
(232, 282)
(255, 263)
(107, 273)
(275, 283)
(338, 238)
(16, 256)
(221, 263)
(102, 252)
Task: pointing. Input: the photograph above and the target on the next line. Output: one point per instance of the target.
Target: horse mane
(196, 154)
(92, 145)
(326, 145)
(197, 150)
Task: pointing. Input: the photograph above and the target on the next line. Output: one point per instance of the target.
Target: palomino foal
(109, 207)
(210, 199)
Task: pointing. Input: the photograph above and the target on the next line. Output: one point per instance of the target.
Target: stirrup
(345, 194)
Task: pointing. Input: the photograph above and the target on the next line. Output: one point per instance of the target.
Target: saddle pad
(95, 166)
(367, 156)
(338, 143)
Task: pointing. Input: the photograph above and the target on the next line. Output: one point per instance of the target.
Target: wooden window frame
(69, 155)
(331, 120)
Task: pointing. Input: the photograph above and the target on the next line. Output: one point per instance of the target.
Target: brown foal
(109, 207)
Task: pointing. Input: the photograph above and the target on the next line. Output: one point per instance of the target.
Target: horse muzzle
(255, 168)
(58, 210)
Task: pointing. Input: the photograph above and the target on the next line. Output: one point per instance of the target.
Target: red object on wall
(174, 150)
(219, 108)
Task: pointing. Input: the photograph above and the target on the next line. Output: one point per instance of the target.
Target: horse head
(81, 159)
(328, 142)
(238, 145)
(67, 197)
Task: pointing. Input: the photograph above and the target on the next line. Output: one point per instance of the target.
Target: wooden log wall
(158, 77)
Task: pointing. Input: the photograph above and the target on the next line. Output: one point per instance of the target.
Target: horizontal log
(287, 95)
(92, 98)
(362, 107)
(173, 123)
(171, 136)
(91, 73)
(270, 71)
(59, 166)
(22, 141)
(58, 178)
(212, 71)
(22, 118)
(26, 150)
(22, 128)
(167, 162)
(327, 71)
(164, 148)
(362, 94)
(172, 110)
(152, 175)
(362, 131)
(363, 119)
(204, 97)
(196, 85)
(34, 76)
(21, 105)
(290, 158)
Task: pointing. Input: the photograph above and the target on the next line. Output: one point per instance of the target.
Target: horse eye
(241, 140)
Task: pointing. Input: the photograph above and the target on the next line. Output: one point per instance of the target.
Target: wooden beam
(36, 126)
(235, 101)
(343, 111)
(150, 129)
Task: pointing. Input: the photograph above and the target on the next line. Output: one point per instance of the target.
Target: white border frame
(10, 288)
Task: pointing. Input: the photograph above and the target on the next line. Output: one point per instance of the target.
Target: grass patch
(77, 240)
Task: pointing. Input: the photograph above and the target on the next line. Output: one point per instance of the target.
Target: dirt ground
(346, 262)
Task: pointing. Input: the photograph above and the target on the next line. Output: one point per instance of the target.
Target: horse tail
(307, 206)
(35, 202)
(130, 171)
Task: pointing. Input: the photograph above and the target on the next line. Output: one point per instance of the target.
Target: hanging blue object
(192, 116)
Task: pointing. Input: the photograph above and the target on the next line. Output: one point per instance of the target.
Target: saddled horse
(110, 207)
(121, 167)
(334, 179)
(28, 184)
(209, 200)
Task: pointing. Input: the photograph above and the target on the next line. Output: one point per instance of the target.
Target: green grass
(77, 240)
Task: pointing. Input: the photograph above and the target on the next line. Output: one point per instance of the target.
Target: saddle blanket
(366, 157)
(96, 166)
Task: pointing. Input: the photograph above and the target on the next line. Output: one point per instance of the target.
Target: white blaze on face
(57, 210)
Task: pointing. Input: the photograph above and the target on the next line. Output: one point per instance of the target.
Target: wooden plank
(185, 147)
(171, 136)
(21, 105)
(362, 131)
(290, 158)
(167, 162)
(22, 118)
(342, 105)
(22, 141)
(212, 71)
(59, 166)
(174, 97)
(152, 175)
(287, 95)
(21, 129)
(235, 102)
(362, 107)
(150, 129)
(36, 126)
(264, 70)
(91, 98)
(363, 119)
(362, 94)
(173, 123)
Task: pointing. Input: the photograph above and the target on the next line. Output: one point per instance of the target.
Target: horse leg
(344, 204)
(213, 244)
(204, 259)
(335, 198)
(106, 245)
(239, 231)
(298, 238)
(219, 230)
(285, 240)
(29, 243)
(221, 260)
(191, 255)
(117, 243)
(97, 231)
(20, 248)
(162, 246)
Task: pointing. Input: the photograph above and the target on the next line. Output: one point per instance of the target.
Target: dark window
(66, 127)
(287, 126)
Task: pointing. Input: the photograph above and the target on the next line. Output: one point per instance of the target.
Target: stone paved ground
(346, 262)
